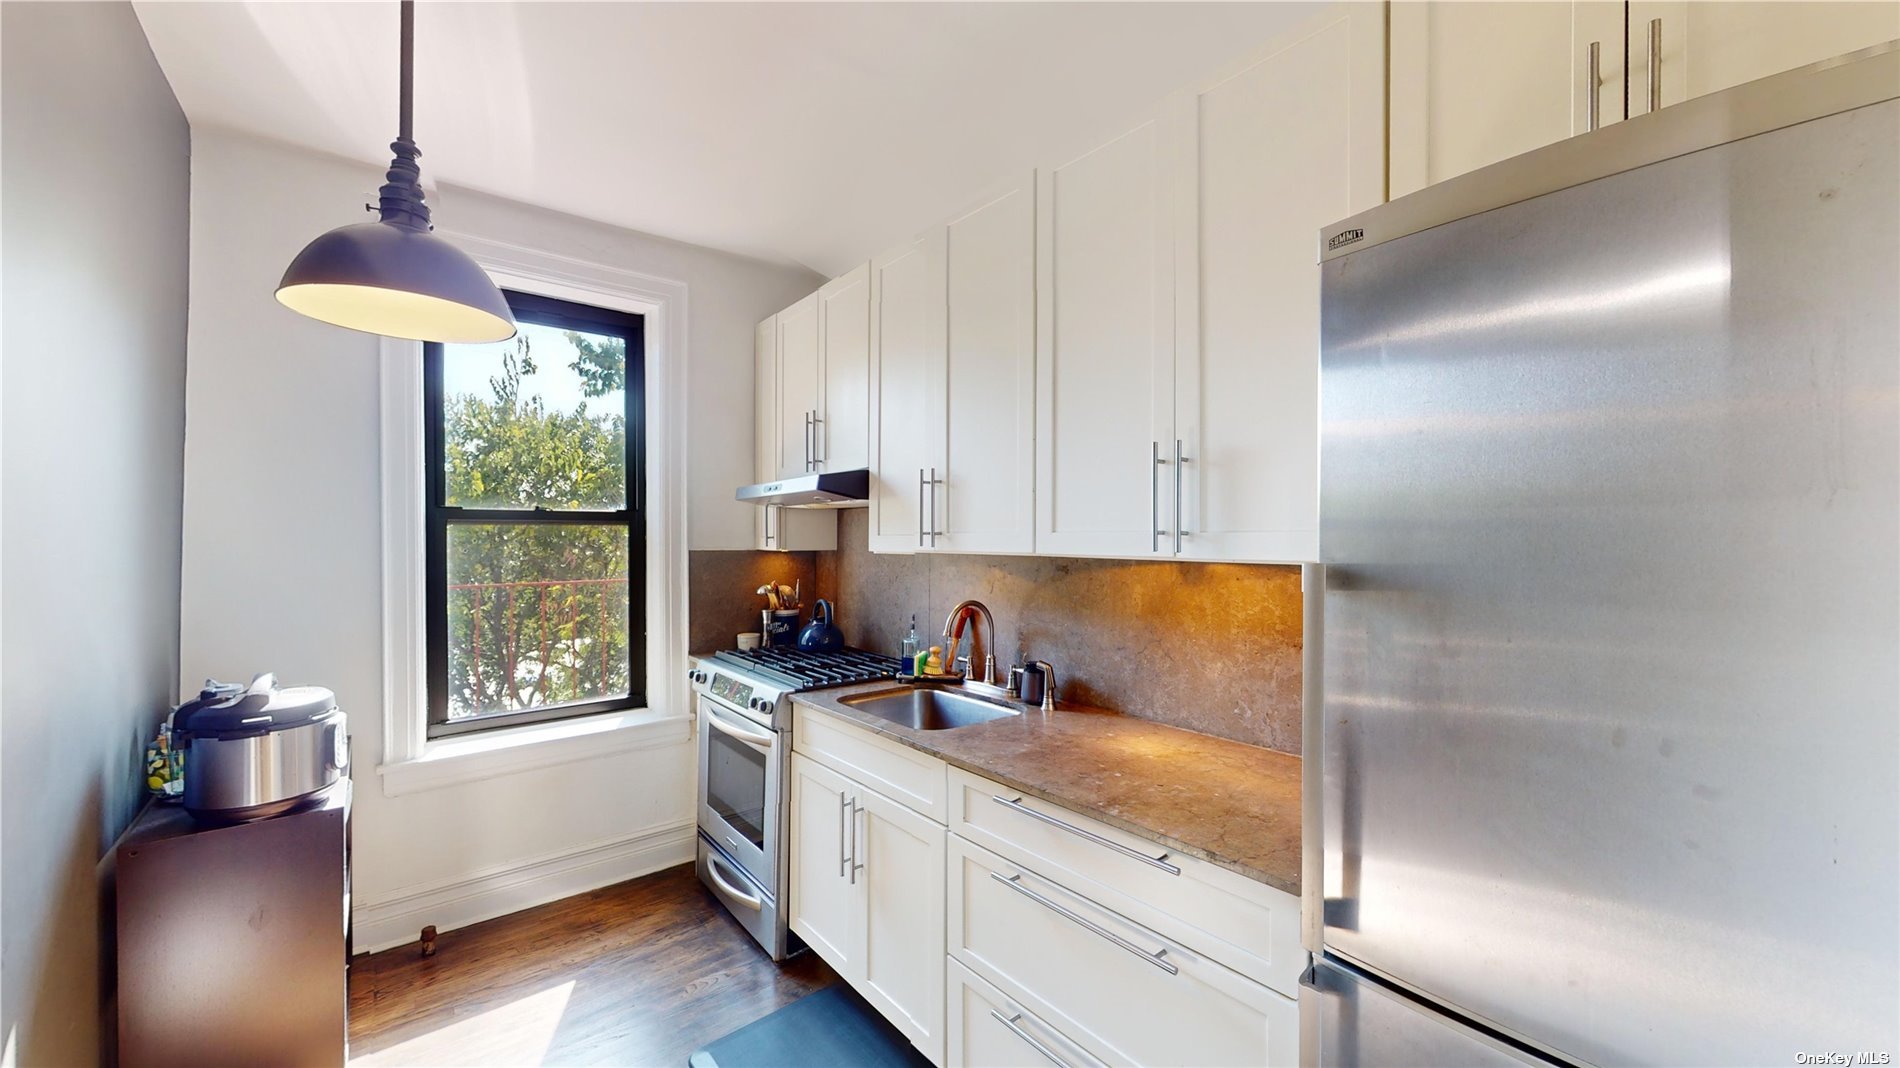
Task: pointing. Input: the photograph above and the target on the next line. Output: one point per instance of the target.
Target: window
(534, 453)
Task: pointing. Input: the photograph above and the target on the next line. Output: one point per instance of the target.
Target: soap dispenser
(907, 649)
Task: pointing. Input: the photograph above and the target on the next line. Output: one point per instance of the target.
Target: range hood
(828, 489)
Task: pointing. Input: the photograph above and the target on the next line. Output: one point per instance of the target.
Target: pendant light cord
(401, 195)
(405, 119)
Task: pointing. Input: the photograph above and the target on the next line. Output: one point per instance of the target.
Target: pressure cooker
(259, 751)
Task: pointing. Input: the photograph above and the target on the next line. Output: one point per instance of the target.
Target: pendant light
(395, 277)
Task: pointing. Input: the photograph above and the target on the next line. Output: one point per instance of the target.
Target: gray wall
(93, 232)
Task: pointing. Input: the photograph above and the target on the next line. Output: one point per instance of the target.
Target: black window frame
(440, 516)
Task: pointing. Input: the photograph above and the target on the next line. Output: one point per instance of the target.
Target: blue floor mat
(833, 1028)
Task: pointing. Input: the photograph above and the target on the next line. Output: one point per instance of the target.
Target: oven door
(741, 771)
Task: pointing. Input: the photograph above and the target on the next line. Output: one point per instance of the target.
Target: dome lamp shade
(395, 277)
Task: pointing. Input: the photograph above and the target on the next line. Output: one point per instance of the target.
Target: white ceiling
(816, 134)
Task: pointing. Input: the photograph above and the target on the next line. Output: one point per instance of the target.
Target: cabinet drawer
(1245, 925)
(899, 772)
(987, 1029)
(1117, 987)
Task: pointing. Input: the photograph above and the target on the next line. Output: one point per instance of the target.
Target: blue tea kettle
(821, 634)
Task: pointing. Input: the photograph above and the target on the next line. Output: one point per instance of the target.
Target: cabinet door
(1474, 83)
(901, 964)
(907, 347)
(1711, 45)
(798, 369)
(826, 908)
(843, 436)
(773, 527)
(1104, 345)
(1247, 365)
(987, 503)
(765, 435)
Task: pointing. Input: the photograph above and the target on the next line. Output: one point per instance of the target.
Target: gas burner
(801, 669)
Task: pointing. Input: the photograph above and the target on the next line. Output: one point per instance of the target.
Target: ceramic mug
(749, 640)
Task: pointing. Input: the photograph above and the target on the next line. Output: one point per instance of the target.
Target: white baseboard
(497, 891)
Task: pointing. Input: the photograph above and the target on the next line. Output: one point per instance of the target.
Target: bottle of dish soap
(907, 649)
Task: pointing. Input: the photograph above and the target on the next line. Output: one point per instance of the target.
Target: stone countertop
(1228, 803)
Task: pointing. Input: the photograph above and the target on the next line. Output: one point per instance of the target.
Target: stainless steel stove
(745, 722)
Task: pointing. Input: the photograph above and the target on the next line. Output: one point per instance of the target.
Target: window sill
(471, 758)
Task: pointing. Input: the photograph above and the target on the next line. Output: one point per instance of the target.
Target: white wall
(282, 509)
(97, 166)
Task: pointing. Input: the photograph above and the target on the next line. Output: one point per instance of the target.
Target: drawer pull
(1154, 958)
(1010, 1022)
(1018, 806)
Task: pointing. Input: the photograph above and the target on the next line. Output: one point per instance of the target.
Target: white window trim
(411, 761)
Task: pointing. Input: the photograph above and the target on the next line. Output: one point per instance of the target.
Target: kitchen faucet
(953, 636)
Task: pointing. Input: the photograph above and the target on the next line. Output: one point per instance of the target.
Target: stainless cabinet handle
(1655, 65)
(817, 441)
(1018, 806)
(1010, 1022)
(844, 806)
(1154, 958)
(1180, 475)
(1591, 83)
(934, 483)
(921, 484)
(1154, 496)
(857, 865)
(808, 438)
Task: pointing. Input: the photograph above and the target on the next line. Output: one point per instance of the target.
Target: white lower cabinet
(825, 907)
(900, 859)
(1069, 944)
(1114, 987)
(867, 886)
(988, 1029)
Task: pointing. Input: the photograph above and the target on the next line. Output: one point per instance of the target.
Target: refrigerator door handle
(1313, 741)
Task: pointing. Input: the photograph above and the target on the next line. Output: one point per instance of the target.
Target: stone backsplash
(723, 603)
(1213, 648)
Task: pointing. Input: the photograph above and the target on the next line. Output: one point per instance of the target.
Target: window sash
(438, 517)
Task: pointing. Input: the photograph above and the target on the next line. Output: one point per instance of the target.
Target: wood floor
(641, 973)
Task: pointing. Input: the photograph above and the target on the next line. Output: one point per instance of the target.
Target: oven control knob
(760, 704)
(696, 676)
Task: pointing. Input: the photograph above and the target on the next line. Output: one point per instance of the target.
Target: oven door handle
(763, 741)
(751, 901)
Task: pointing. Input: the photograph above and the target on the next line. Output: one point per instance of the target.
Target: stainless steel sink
(925, 709)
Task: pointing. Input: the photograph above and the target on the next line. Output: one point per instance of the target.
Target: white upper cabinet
(907, 341)
(1247, 365)
(1475, 83)
(1178, 305)
(842, 438)
(986, 434)
(798, 386)
(774, 527)
(1104, 344)
(765, 439)
(1708, 46)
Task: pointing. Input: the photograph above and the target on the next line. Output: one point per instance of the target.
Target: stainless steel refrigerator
(1604, 750)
